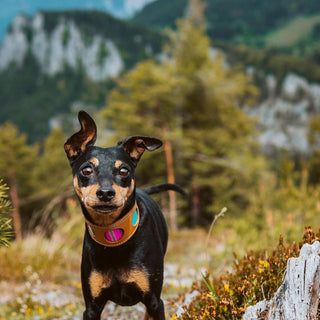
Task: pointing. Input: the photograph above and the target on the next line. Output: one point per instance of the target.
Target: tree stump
(298, 296)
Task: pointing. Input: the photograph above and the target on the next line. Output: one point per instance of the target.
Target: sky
(10, 8)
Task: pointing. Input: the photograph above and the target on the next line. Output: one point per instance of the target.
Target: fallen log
(298, 296)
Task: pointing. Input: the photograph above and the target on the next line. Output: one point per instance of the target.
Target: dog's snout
(105, 194)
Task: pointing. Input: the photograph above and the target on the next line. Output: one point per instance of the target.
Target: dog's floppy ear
(78, 142)
(136, 145)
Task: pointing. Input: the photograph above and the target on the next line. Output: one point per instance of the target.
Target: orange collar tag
(118, 232)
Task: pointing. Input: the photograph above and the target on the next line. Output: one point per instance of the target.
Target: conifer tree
(192, 99)
(17, 161)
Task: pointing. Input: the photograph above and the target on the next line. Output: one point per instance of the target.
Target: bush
(5, 222)
(255, 277)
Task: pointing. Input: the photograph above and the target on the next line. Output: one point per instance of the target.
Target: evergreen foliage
(192, 100)
(231, 20)
(36, 97)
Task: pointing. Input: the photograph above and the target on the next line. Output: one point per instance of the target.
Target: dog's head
(103, 178)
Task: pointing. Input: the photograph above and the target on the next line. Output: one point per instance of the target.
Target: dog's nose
(105, 194)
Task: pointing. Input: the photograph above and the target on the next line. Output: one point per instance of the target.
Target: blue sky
(10, 8)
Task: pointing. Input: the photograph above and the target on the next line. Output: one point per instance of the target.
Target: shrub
(5, 222)
(255, 277)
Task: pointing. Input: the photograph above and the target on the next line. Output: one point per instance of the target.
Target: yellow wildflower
(28, 311)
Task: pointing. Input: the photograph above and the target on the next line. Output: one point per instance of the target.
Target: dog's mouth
(105, 209)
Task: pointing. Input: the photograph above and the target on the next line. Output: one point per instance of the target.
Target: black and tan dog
(126, 234)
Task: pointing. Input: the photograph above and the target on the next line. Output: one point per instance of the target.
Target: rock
(298, 296)
(63, 46)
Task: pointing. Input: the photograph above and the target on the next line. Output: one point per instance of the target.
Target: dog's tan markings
(138, 277)
(76, 187)
(118, 164)
(94, 161)
(88, 197)
(99, 281)
(70, 151)
(122, 195)
(147, 317)
(137, 151)
(89, 131)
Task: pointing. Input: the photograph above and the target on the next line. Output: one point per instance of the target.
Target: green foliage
(16, 158)
(231, 20)
(36, 98)
(5, 222)
(272, 61)
(193, 101)
(52, 171)
(255, 277)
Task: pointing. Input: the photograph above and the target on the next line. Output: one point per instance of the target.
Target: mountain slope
(232, 20)
(100, 43)
(52, 61)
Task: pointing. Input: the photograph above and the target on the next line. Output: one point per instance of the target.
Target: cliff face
(63, 46)
(284, 115)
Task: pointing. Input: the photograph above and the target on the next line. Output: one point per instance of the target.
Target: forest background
(191, 99)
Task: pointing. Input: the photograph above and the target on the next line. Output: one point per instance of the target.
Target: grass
(55, 261)
(296, 30)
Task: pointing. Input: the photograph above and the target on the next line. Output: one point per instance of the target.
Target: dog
(126, 234)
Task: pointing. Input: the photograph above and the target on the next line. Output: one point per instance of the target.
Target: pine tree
(17, 161)
(192, 99)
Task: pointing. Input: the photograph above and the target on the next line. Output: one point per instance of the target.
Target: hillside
(53, 63)
(248, 22)
(52, 60)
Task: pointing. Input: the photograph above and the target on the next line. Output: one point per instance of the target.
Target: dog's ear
(136, 145)
(78, 142)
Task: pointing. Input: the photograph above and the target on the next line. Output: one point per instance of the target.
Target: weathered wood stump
(298, 296)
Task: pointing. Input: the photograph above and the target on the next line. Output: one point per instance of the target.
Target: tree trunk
(299, 295)
(195, 204)
(16, 208)
(171, 179)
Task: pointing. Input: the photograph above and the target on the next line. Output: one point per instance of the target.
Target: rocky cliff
(63, 46)
(284, 114)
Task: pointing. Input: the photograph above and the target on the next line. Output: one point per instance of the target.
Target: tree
(217, 135)
(147, 101)
(16, 167)
(5, 222)
(192, 100)
(52, 177)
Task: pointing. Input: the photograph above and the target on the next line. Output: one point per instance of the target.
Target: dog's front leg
(155, 308)
(94, 305)
(93, 284)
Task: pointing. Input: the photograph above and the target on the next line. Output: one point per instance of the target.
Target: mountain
(54, 61)
(118, 8)
(101, 44)
(253, 22)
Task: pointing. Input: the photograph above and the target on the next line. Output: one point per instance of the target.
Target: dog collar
(118, 232)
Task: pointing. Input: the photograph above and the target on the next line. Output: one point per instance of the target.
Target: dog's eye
(123, 172)
(87, 171)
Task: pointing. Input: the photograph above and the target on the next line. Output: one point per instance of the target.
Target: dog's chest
(122, 283)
